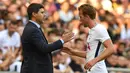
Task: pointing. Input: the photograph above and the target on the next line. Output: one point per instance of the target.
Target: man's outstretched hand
(67, 36)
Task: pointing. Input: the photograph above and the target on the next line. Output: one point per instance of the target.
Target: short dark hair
(89, 10)
(34, 7)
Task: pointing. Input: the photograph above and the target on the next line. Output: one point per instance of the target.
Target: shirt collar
(35, 23)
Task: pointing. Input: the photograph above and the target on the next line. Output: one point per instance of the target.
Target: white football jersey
(97, 35)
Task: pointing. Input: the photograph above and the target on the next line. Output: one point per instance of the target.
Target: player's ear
(86, 16)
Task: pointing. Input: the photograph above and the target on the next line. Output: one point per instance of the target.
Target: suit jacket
(37, 51)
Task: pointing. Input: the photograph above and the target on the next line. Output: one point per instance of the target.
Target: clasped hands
(67, 48)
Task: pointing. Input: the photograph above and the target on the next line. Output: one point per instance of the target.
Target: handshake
(67, 37)
(67, 48)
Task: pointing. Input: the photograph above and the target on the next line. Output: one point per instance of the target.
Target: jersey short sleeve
(102, 34)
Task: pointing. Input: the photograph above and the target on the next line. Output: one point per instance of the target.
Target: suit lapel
(46, 41)
(43, 35)
(44, 38)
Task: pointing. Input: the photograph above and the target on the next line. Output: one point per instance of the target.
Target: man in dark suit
(36, 50)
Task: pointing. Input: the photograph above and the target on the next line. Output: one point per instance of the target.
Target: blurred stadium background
(63, 15)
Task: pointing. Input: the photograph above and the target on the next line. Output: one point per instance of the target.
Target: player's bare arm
(73, 52)
(79, 53)
(107, 52)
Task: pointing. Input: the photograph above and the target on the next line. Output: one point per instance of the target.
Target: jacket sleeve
(37, 40)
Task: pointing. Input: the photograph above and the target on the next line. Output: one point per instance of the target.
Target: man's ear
(34, 14)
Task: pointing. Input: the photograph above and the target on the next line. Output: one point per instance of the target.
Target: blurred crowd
(62, 15)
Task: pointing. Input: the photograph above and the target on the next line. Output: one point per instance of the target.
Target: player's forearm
(79, 53)
(107, 52)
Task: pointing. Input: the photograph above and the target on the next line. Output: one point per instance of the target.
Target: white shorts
(100, 67)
